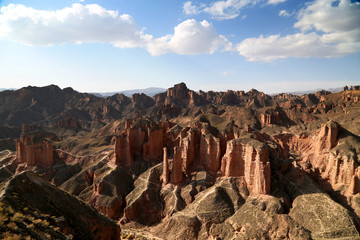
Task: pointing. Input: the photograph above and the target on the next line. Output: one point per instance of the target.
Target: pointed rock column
(177, 174)
(123, 155)
(165, 175)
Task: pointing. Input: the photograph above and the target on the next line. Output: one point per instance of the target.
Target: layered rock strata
(31, 152)
(249, 159)
(141, 139)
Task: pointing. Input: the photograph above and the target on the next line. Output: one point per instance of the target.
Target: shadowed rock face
(143, 203)
(53, 212)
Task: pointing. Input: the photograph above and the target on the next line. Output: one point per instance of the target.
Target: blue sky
(102, 46)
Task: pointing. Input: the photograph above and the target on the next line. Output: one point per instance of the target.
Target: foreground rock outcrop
(32, 207)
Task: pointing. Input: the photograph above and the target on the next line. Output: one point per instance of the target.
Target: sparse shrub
(3, 219)
(17, 217)
(31, 225)
(12, 225)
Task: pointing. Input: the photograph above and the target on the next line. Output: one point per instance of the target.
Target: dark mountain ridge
(49, 105)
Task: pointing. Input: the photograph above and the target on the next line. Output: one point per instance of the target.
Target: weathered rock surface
(143, 203)
(249, 159)
(325, 218)
(259, 218)
(316, 211)
(31, 151)
(51, 212)
(143, 139)
(211, 206)
(111, 186)
(332, 153)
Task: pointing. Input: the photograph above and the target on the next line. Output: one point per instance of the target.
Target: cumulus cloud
(220, 10)
(275, 47)
(190, 37)
(326, 31)
(274, 2)
(323, 16)
(92, 23)
(76, 24)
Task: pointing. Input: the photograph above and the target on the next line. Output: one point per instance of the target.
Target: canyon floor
(179, 165)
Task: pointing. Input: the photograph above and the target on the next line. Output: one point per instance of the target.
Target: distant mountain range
(333, 90)
(147, 91)
(155, 90)
(3, 89)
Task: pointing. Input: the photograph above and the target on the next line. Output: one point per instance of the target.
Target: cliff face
(195, 148)
(332, 158)
(141, 139)
(31, 153)
(198, 150)
(248, 159)
(123, 156)
(210, 152)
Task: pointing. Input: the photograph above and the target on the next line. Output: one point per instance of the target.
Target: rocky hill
(181, 164)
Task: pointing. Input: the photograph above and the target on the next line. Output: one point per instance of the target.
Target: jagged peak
(181, 85)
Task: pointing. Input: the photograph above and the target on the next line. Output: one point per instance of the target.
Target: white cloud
(220, 10)
(275, 47)
(76, 24)
(189, 9)
(190, 37)
(274, 2)
(322, 16)
(92, 23)
(327, 31)
(284, 13)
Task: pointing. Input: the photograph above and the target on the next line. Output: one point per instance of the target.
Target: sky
(105, 46)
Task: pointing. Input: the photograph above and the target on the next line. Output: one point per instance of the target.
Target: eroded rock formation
(198, 149)
(32, 151)
(198, 165)
(249, 159)
(141, 139)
